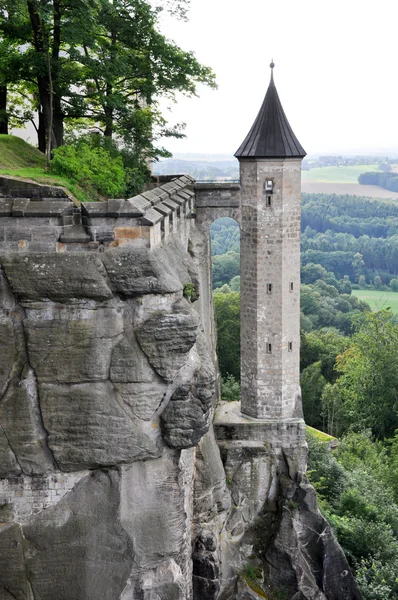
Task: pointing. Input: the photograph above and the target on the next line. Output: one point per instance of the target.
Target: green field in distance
(337, 174)
(378, 300)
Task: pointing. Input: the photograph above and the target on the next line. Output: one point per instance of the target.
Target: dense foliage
(357, 491)
(92, 167)
(387, 180)
(351, 235)
(227, 315)
(76, 64)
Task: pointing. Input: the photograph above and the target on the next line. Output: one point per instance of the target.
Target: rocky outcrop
(113, 484)
(106, 386)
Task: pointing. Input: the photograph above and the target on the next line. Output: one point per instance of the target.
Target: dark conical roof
(271, 135)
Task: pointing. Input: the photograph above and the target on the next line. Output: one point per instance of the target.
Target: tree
(103, 63)
(225, 267)
(368, 381)
(227, 315)
(312, 384)
(394, 284)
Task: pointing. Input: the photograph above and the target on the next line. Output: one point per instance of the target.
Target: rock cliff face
(112, 485)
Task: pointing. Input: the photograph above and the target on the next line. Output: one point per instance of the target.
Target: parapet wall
(39, 218)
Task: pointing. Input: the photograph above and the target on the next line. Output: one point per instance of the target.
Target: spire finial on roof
(272, 65)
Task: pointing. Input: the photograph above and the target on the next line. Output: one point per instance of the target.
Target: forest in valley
(349, 370)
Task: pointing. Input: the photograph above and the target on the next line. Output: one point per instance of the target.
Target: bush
(230, 388)
(92, 168)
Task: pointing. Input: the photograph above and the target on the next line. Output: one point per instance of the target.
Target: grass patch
(42, 176)
(337, 174)
(378, 300)
(20, 159)
(15, 153)
(319, 435)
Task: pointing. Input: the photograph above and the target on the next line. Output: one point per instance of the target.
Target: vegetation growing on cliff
(357, 488)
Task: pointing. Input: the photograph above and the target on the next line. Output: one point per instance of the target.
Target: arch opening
(225, 252)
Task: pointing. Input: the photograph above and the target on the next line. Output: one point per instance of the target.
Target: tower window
(290, 346)
(269, 288)
(269, 348)
(269, 184)
(291, 286)
(269, 201)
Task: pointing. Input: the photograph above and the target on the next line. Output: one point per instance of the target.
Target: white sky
(336, 72)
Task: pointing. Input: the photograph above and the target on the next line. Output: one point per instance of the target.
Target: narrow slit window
(291, 286)
(269, 348)
(269, 201)
(269, 288)
(290, 346)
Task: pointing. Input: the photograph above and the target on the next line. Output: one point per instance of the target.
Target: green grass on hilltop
(321, 436)
(20, 159)
(15, 153)
(337, 174)
(378, 300)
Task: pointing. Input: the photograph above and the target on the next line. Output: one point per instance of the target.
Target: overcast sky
(336, 72)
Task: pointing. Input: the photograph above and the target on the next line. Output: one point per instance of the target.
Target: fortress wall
(40, 222)
(112, 484)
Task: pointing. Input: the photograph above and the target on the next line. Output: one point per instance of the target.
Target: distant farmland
(378, 300)
(342, 180)
(353, 189)
(337, 174)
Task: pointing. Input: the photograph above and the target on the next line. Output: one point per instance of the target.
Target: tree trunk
(58, 123)
(3, 110)
(108, 113)
(58, 115)
(108, 109)
(41, 133)
(43, 81)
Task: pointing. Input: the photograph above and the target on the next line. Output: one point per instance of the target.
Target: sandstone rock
(14, 583)
(166, 338)
(151, 497)
(56, 276)
(72, 344)
(8, 350)
(186, 418)
(20, 419)
(245, 591)
(304, 557)
(7, 300)
(9, 466)
(89, 425)
(138, 271)
(144, 399)
(78, 548)
(129, 363)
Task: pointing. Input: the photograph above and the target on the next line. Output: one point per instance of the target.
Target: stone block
(167, 338)
(56, 276)
(90, 426)
(72, 346)
(14, 582)
(78, 548)
(20, 420)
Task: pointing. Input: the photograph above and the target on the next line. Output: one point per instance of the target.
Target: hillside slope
(15, 153)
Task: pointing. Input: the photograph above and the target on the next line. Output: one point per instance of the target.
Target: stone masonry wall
(270, 288)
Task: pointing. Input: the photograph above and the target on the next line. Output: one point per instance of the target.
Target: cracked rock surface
(105, 387)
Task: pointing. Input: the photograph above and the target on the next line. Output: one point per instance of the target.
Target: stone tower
(270, 174)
